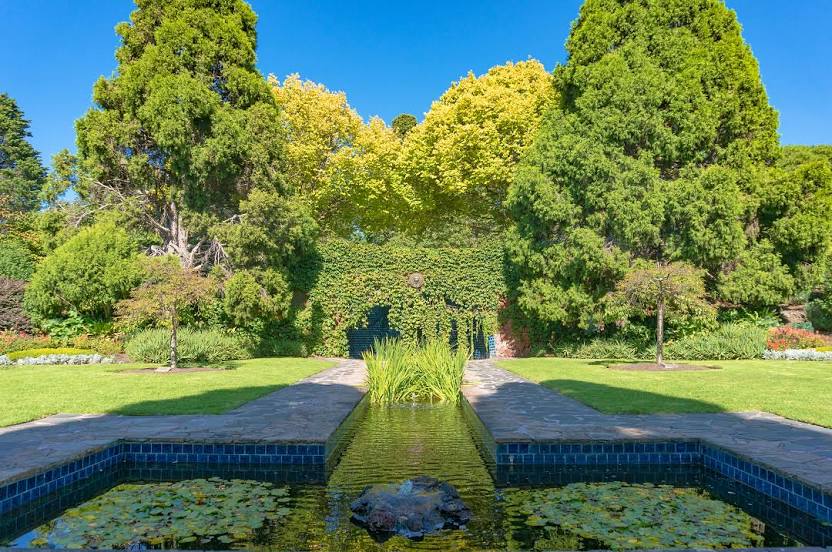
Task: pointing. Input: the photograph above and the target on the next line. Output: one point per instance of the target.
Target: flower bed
(787, 337)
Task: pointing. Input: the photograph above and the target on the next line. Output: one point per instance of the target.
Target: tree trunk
(173, 352)
(174, 355)
(660, 332)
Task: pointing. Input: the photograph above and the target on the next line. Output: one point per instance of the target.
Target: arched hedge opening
(427, 292)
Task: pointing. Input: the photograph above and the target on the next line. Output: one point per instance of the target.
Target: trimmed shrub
(198, 346)
(787, 337)
(16, 261)
(88, 274)
(728, 342)
(12, 315)
(34, 353)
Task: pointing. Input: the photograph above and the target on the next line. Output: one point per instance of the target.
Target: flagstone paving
(516, 410)
(308, 411)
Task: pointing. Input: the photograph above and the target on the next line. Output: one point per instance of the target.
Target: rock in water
(413, 509)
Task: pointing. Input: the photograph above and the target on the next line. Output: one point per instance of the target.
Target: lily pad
(622, 516)
(183, 514)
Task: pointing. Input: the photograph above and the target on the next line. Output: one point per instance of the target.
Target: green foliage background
(346, 279)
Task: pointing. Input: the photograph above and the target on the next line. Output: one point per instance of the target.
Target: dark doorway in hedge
(378, 327)
(480, 347)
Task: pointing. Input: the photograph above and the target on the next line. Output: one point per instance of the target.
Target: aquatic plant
(440, 370)
(197, 513)
(399, 372)
(622, 516)
(390, 371)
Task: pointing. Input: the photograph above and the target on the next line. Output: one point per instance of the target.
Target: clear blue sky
(390, 57)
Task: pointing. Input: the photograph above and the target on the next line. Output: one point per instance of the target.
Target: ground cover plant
(33, 353)
(398, 371)
(796, 390)
(32, 392)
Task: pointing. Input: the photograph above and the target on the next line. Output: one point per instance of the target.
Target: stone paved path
(517, 410)
(308, 411)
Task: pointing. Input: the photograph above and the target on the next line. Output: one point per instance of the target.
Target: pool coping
(296, 425)
(786, 460)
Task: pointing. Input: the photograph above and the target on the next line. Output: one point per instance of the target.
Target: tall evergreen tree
(655, 152)
(22, 175)
(187, 126)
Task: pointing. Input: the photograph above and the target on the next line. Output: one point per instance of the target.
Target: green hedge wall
(346, 279)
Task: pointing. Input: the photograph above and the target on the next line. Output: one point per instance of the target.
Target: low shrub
(195, 346)
(602, 348)
(728, 342)
(819, 312)
(798, 354)
(12, 315)
(399, 372)
(787, 337)
(18, 341)
(33, 353)
(100, 344)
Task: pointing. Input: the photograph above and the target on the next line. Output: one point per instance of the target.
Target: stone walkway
(308, 411)
(516, 410)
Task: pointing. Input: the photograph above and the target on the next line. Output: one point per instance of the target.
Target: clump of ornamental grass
(390, 372)
(439, 371)
(399, 372)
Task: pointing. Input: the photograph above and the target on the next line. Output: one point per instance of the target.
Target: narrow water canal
(391, 444)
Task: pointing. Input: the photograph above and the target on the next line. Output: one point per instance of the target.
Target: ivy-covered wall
(345, 280)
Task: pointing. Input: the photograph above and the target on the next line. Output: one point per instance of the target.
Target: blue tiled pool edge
(20, 491)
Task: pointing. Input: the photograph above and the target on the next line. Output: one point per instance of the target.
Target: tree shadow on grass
(214, 401)
(618, 400)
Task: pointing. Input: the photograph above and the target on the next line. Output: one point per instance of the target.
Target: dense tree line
(654, 145)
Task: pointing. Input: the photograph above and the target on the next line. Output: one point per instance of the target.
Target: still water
(260, 510)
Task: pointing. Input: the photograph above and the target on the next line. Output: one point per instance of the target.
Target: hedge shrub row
(194, 346)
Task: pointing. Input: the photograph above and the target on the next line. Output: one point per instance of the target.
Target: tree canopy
(460, 160)
(22, 176)
(344, 169)
(187, 126)
(656, 150)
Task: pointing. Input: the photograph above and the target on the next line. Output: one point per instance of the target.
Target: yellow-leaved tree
(461, 158)
(344, 168)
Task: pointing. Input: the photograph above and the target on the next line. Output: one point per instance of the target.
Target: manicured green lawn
(31, 392)
(797, 390)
